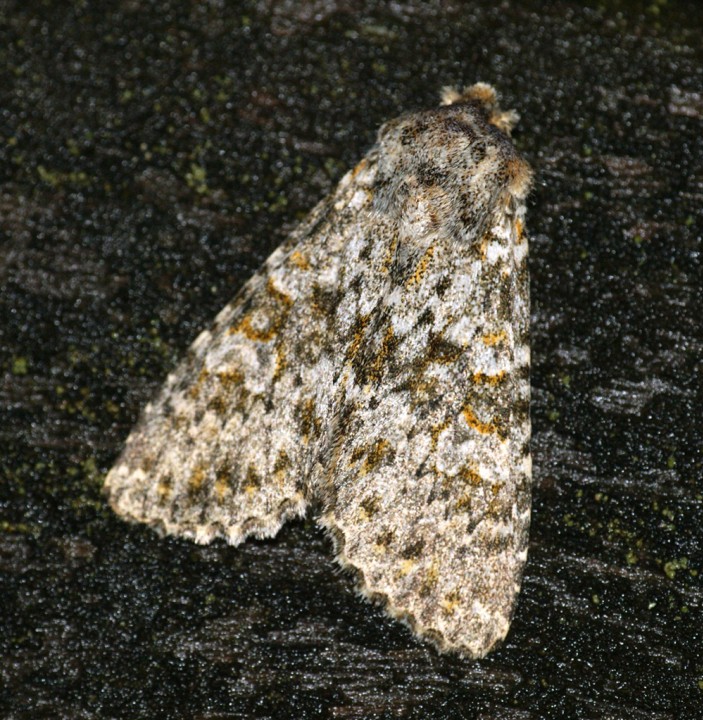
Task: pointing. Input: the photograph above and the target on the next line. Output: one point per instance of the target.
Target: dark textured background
(153, 154)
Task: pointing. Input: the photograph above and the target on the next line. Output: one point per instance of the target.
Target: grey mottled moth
(376, 370)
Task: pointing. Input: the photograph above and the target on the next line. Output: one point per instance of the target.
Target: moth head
(450, 171)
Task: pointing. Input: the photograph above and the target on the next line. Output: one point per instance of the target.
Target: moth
(375, 370)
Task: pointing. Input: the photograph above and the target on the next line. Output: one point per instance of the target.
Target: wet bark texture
(153, 154)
